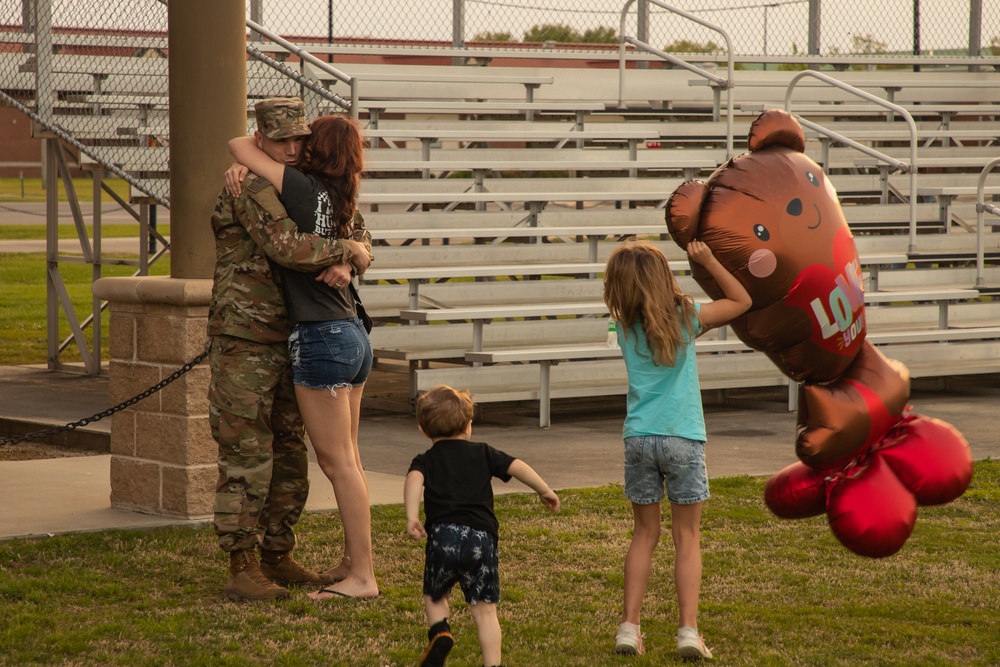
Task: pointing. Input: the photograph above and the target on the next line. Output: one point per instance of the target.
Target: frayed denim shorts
(653, 462)
(327, 355)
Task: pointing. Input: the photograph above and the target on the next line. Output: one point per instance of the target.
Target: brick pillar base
(163, 457)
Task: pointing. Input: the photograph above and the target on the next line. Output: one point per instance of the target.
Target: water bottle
(612, 333)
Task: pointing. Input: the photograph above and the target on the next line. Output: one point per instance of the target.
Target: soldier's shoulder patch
(254, 183)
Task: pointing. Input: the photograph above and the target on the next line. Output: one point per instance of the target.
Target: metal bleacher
(499, 188)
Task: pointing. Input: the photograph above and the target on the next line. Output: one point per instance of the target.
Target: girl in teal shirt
(664, 430)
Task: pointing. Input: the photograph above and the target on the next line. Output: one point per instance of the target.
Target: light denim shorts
(327, 355)
(655, 461)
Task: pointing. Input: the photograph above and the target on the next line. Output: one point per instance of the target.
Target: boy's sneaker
(628, 641)
(437, 650)
(691, 645)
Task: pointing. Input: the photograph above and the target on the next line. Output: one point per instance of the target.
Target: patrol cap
(281, 117)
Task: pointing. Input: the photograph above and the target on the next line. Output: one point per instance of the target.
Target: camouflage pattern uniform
(263, 460)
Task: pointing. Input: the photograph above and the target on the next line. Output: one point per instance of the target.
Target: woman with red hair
(329, 346)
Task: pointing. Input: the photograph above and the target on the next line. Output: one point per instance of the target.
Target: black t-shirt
(457, 476)
(308, 205)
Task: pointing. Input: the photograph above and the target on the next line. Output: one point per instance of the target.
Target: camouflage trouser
(263, 460)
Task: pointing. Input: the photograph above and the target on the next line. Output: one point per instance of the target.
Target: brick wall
(18, 144)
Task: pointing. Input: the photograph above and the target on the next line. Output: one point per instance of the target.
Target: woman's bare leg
(328, 418)
(339, 572)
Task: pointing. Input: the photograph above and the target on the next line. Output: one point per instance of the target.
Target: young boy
(461, 528)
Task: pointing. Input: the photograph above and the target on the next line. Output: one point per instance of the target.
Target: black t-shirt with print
(308, 205)
(457, 483)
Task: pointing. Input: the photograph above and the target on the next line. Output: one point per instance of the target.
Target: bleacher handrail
(305, 56)
(643, 46)
(847, 141)
(981, 208)
(883, 103)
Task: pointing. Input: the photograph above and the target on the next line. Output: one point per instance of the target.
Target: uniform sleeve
(259, 210)
(361, 233)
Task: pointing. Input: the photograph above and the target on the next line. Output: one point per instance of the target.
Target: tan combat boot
(247, 582)
(281, 568)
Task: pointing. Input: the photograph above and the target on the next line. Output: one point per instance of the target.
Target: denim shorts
(655, 461)
(327, 355)
(463, 555)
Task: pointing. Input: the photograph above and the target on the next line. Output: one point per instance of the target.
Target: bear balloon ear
(683, 211)
(776, 127)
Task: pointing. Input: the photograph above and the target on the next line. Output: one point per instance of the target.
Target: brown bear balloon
(773, 219)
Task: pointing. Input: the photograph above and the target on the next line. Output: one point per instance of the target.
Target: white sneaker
(691, 645)
(628, 641)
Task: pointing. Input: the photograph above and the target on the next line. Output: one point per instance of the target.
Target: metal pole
(43, 53)
(642, 28)
(152, 226)
(458, 29)
(765, 33)
(916, 32)
(815, 23)
(95, 273)
(27, 16)
(981, 207)
(51, 253)
(975, 31)
(257, 16)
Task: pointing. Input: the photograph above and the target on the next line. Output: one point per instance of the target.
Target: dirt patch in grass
(30, 451)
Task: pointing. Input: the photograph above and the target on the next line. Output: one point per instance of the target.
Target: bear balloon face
(770, 216)
(773, 219)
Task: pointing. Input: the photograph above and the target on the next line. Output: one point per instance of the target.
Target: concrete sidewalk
(581, 449)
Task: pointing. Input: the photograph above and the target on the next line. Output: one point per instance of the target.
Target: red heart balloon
(797, 492)
(870, 511)
(931, 459)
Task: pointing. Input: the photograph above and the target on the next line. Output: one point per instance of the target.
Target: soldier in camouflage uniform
(263, 460)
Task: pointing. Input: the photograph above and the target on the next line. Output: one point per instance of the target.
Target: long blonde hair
(639, 287)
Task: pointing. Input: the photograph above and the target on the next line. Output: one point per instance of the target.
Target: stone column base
(163, 456)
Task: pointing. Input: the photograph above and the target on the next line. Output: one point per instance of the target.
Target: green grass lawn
(775, 592)
(68, 231)
(14, 190)
(22, 305)
(10, 196)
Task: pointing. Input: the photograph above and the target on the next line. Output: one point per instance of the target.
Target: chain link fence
(757, 27)
(94, 74)
(103, 70)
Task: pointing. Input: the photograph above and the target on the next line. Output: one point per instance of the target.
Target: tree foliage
(493, 37)
(560, 32)
(602, 35)
(866, 45)
(792, 67)
(687, 46)
(552, 32)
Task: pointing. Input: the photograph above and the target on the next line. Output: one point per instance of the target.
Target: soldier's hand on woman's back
(361, 259)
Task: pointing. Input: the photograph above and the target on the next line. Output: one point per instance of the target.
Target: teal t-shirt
(662, 400)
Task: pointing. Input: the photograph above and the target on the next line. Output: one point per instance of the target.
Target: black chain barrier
(110, 411)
